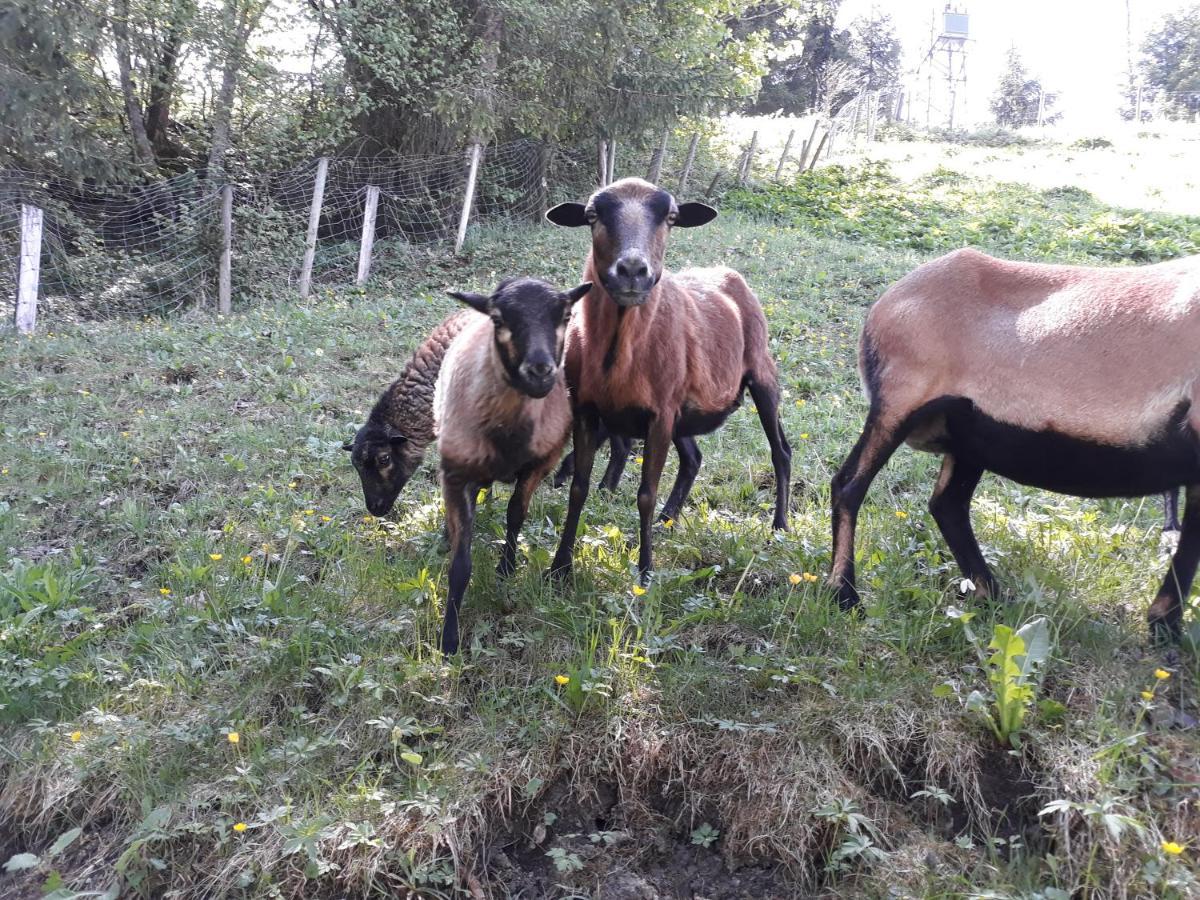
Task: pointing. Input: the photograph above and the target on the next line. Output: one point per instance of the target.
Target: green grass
(189, 558)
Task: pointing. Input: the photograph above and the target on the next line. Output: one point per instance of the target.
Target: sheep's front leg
(585, 454)
(518, 509)
(459, 496)
(654, 457)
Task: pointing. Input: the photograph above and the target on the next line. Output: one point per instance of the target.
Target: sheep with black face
(501, 413)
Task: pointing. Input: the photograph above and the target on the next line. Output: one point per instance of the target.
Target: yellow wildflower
(804, 435)
(124, 434)
(239, 827)
(794, 578)
(292, 485)
(309, 512)
(1147, 695)
(136, 460)
(4, 471)
(216, 557)
(368, 518)
(809, 576)
(669, 523)
(638, 460)
(166, 592)
(901, 514)
(233, 737)
(247, 559)
(638, 590)
(76, 737)
(41, 434)
(1171, 848)
(1162, 674)
(326, 518)
(562, 679)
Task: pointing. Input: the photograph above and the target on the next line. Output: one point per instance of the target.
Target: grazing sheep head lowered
(385, 460)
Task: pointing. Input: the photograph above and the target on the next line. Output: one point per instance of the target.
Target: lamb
(1077, 380)
(389, 448)
(658, 355)
(501, 413)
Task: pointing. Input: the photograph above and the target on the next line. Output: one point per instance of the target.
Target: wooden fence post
(748, 160)
(601, 162)
(468, 199)
(29, 268)
(687, 166)
(810, 144)
(314, 222)
(611, 176)
(812, 163)
(654, 173)
(368, 234)
(225, 273)
(783, 156)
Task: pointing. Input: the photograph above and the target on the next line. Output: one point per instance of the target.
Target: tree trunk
(162, 86)
(241, 17)
(142, 151)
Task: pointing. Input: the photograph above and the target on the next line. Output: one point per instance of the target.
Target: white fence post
(468, 197)
(368, 234)
(29, 268)
(314, 222)
(225, 277)
(783, 156)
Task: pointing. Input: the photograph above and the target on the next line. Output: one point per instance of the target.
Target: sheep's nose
(541, 369)
(632, 267)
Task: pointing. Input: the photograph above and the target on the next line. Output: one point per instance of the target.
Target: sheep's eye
(384, 459)
(590, 216)
(671, 217)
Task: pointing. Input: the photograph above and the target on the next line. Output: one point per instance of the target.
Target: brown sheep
(659, 355)
(1072, 379)
(501, 413)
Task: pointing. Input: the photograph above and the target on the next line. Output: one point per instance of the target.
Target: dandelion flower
(1171, 848)
(638, 590)
(239, 827)
(794, 578)
(292, 485)
(804, 435)
(247, 559)
(309, 512)
(809, 576)
(76, 737)
(4, 471)
(1147, 695)
(216, 557)
(124, 434)
(669, 523)
(561, 679)
(1162, 674)
(901, 514)
(326, 518)
(638, 460)
(166, 592)
(233, 737)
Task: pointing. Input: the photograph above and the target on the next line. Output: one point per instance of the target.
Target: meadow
(218, 675)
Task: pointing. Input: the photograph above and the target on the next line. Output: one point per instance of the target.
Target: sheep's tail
(407, 404)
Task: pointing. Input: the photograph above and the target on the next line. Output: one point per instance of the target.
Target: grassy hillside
(217, 675)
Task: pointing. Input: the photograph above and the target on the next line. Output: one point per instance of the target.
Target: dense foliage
(1171, 60)
(1020, 99)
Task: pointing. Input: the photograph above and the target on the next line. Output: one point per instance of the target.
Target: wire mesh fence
(155, 249)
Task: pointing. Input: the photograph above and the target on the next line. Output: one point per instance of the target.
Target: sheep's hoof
(558, 575)
(1166, 621)
(846, 595)
(506, 567)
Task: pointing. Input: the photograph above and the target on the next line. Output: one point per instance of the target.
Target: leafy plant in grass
(858, 835)
(1013, 662)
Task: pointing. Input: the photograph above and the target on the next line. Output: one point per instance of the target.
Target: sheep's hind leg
(766, 399)
(619, 450)
(518, 509)
(1171, 510)
(459, 497)
(690, 458)
(585, 456)
(1166, 612)
(874, 448)
(950, 505)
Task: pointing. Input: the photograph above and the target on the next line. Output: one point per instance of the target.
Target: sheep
(619, 450)
(501, 413)
(1077, 380)
(388, 449)
(659, 355)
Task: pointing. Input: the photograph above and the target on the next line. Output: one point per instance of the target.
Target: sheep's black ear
(348, 446)
(576, 293)
(692, 214)
(480, 302)
(569, 215)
